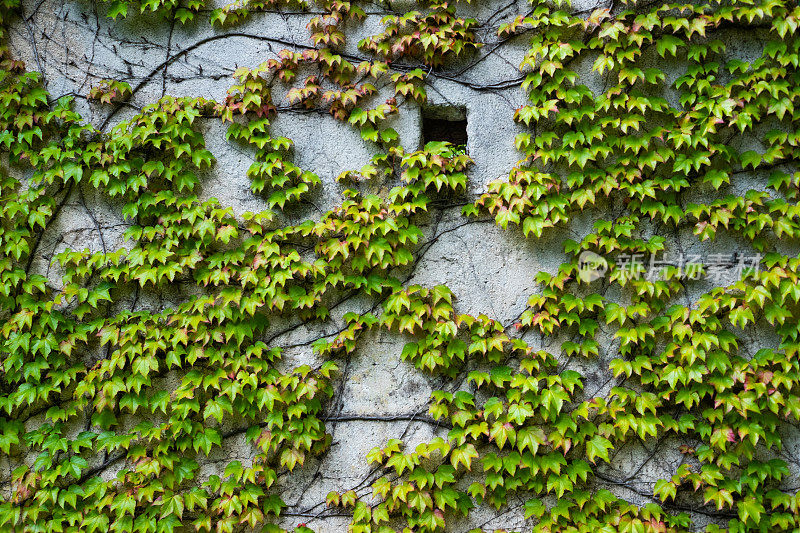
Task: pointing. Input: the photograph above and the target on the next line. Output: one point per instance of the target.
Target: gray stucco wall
(490, 271)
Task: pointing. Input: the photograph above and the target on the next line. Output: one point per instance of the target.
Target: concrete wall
(491, 271)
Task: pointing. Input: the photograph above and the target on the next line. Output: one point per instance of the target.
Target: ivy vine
(108, 410)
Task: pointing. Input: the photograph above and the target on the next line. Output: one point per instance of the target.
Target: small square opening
(444, 123)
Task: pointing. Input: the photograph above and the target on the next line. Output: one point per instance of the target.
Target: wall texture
(489, 265)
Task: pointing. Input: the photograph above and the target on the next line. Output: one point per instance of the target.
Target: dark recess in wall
(452, 127)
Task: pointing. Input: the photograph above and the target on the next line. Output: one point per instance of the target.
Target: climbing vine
(109, 409)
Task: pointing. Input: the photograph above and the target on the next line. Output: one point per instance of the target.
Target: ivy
(110, 408)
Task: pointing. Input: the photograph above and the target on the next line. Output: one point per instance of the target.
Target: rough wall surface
(377, 395)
